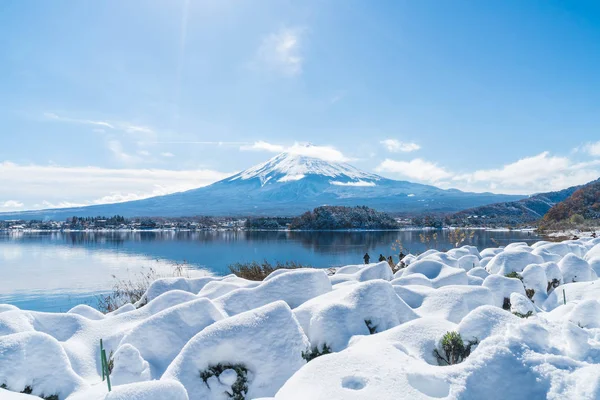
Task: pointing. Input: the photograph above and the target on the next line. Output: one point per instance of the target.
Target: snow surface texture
(537, 333)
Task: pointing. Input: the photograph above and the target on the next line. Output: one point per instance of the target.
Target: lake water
(52, 271)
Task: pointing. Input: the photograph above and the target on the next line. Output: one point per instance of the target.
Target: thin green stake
(107, 372)
(564, 297)
(102, 359)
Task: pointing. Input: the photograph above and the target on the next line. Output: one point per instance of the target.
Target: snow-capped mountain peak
(287, 167)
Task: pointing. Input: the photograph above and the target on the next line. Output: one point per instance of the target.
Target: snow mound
(294, 287)
(575, 269)
(267, 341)
(191, 285)
(451, 303)
(437, 273)
(86, 311)
(572, 292)
(502, 287)
(514, 260)
(37, 361)
(532, 335)
(332, 319)
(485, 321)
(362, 273)
(468, 262)
(7, 307)
(129, 366)
(161, 337)
(154, 390)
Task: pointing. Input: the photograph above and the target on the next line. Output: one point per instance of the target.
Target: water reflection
(36, 267)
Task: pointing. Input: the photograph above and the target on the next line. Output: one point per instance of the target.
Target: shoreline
(423, 228)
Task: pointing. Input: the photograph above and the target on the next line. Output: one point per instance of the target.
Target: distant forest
(329, 218)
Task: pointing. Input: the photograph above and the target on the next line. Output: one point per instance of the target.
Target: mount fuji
(286, 185)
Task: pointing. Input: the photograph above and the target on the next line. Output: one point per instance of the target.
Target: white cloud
(263, 146)
(144, 153)
(539, 173)
(418, 169)
(280, 51)
(11, 205)
(39, 186)
(592, 149)
(327, 153)
(357, 183)
(167, 154)
(395, 146)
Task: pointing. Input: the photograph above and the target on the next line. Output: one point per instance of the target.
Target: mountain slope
(515, 212)
(288, 185)
(585, 202)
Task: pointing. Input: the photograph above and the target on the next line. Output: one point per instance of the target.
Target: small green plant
(29, 390)
(530, 293)
(454, 348)
(552, 285)
(111, 362)
(311, 354)
(239, 389)
(372, 329)
(514, 274)
(526, 315)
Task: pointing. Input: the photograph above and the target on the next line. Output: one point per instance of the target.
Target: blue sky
(110, 101)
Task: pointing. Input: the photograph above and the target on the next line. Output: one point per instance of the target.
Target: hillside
(512, 213)
(287, 185)
(337, 217)
(583, 205)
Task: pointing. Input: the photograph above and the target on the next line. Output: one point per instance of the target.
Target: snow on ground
(362, 333)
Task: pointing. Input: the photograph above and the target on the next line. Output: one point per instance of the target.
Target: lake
(54, 271)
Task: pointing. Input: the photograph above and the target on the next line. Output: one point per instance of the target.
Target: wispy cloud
(328, 153)
(167, 154)
(116, 148)
(56, 117)
(127, 127)
(212, 143)
(395, 146)
(281, 51)
(50, 186)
